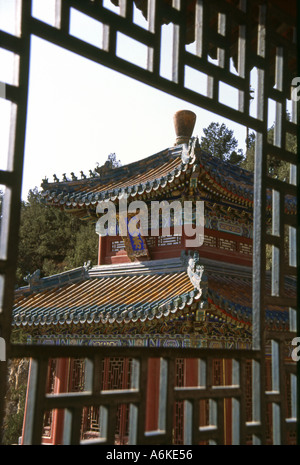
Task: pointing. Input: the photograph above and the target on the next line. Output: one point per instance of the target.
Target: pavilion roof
(104, 296)
(173, 168)
(174, 171)
(139, 292)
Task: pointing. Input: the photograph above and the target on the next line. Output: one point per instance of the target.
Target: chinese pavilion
(153, 292)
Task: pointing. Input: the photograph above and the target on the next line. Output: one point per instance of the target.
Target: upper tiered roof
(181, 171)
(172, 171)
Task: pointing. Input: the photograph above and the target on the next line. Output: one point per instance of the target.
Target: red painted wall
(220, 251)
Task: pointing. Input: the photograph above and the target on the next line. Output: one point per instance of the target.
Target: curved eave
(133, 191)
(184, 162)
(219, 178)
(129, 314)
(240, 315)
(106, 300)
(208, 183)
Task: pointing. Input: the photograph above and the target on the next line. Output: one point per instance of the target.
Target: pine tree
(46, 233)
(276, 168)
(220, 142)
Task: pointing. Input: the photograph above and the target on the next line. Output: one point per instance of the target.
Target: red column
(26, 404)
(190, 376)
(152, 405)
(61, 385)
(228, 402)
(191, 372)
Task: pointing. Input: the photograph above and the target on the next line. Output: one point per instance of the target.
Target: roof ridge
(172, 265)
(119, 170)
(37, 284)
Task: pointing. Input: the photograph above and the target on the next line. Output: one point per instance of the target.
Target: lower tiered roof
(123, 296)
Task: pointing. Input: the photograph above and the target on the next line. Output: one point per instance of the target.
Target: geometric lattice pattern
(208, 408)
(222, 43)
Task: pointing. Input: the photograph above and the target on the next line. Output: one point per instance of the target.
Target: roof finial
(184, 122)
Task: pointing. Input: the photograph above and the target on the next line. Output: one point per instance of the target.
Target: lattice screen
(222, 43)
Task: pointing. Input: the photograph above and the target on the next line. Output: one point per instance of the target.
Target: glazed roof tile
(132, 179)
(155, 172)
(105, 299)
(139, 292)
(232, 296)
(158, 172)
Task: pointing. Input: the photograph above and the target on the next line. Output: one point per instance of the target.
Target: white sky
(79, 112)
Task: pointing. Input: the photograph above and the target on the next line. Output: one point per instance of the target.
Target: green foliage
(52, 240)
(85, 248)
(18, 335)
(14, 422)
(15, 397)
(220, 142)
(276, 168)
(48, 239)
(248, 162)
